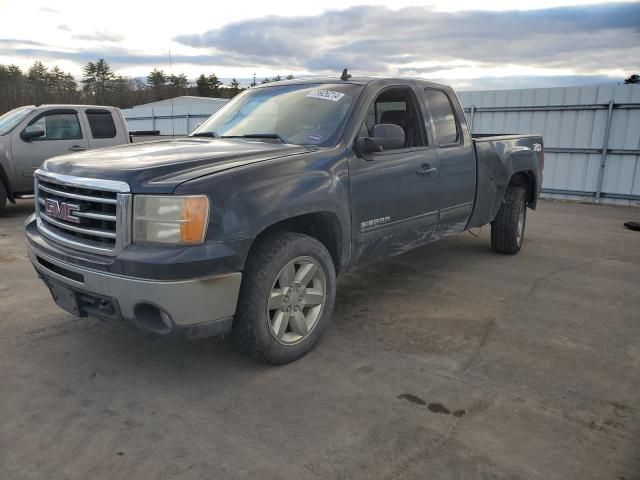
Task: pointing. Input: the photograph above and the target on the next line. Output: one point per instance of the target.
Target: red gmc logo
(62, 210)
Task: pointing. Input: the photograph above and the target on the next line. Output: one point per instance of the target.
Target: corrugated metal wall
(179, 120)
(574, 124)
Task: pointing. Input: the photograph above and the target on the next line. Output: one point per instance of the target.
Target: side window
(447, 131)
(59, 126)
(397, 106)
(101, 124)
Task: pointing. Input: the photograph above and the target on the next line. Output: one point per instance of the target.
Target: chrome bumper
(209, 302)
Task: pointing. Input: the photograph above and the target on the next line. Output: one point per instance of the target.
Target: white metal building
(175, 116)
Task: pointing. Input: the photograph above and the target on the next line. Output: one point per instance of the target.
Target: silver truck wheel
(286, 298)
(296, 300)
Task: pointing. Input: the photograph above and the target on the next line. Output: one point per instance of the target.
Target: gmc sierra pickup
(29, 135)
(242, 227)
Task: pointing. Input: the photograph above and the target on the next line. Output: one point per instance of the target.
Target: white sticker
(326, 95)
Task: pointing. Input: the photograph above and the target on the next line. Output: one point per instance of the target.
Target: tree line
(100, 85)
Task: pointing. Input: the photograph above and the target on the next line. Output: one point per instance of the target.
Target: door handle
(77, 148)
(426, 170)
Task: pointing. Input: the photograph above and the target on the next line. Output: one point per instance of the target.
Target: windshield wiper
(206, 134)
(274, 136)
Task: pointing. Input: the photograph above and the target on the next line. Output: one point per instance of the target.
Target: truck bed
(498, 157)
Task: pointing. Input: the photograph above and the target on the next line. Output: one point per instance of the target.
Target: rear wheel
(507, 229)
(286, 299)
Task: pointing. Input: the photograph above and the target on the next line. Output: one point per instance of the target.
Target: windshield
(308, 114)
(12, 118)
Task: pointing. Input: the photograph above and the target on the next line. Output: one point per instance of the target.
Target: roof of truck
(70, 105)
(353, 80)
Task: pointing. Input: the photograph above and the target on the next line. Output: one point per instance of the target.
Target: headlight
(170, 219)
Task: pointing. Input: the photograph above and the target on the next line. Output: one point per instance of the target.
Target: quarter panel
(499, 158)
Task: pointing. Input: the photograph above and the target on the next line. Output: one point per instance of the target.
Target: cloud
(580, 44)
(372, 39)
(99, 37)
(14, 42)
(117, 56)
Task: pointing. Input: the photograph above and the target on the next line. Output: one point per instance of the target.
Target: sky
(469, 44)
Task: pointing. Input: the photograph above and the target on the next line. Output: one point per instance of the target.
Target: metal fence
(591, 135)
(176, 120)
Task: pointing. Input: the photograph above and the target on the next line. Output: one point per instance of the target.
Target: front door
(63, 134)
(394, 193)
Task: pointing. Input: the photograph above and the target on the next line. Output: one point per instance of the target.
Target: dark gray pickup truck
(242, 227)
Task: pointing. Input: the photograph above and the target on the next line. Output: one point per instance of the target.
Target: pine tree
(635, 78)
(202, 86)
(104, 76)
(214, 84)
(37, 80)
(89, 79)
(157, 81)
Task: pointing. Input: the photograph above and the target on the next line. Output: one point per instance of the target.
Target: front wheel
(3, 196)
(507, 229)
(286, 298)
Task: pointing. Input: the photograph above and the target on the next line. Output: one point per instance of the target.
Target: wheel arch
(527, 180)
(324, 226)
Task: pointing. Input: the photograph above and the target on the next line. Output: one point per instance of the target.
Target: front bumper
(196, 307)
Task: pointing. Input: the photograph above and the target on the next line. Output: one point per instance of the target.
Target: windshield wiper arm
(274, 136)
(206, 134)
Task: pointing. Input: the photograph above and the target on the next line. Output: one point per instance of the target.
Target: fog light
(152, 319)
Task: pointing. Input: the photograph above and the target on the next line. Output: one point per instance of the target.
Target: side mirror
(386, 136)
(31, 132)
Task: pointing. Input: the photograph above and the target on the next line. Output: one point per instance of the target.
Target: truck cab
(29, 135)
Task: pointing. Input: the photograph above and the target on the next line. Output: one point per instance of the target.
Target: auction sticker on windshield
(326, 95)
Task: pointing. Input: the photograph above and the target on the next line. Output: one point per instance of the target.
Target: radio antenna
(173, 119)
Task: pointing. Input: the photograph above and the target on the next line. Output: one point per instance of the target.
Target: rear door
(394, 193)
(63, 134)
(456, 160)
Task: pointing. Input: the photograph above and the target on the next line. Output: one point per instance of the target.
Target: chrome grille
(83, 213)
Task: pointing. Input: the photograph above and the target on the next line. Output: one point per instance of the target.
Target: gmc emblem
(62, 210)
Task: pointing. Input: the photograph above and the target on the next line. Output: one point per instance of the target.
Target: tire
(3, 196)
(263, 327)
(507, 229)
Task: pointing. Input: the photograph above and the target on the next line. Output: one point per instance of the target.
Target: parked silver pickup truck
(30, 135)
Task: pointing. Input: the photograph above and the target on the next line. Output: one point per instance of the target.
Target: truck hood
(160, 166)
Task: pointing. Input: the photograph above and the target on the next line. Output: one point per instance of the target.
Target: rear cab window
(447, 128)
(101, 123)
